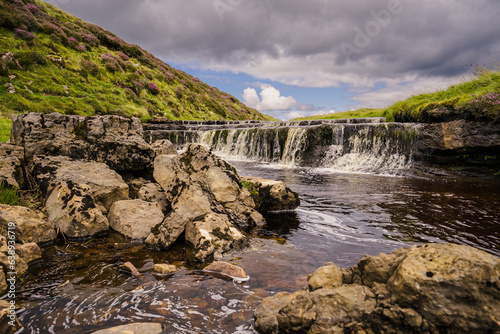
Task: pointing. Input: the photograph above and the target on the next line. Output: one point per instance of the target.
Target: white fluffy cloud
(270, 99)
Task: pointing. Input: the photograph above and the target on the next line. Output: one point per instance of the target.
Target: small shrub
(29, 58)
(132, 50)
(23, 34)
(90, 67)
(111, 63)
(81, 48)
(486, 106)
(124, 57)
(91, 39)
(153, 89)
(72, 40)
(32, 8)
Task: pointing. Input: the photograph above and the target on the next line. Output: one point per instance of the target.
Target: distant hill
(477, 99)
(51, 61)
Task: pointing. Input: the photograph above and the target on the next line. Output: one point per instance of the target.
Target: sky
(292, 58)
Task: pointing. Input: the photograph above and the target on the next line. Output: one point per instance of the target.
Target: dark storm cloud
(309, 42)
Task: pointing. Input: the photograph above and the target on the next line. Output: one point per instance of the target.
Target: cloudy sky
(289, 58)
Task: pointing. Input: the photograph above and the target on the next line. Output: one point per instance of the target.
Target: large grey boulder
(206, 197)
(113, 140)
(424, 289)
(11, 165)
(134, 218)
(104, 184)
(30, 225)
(270, 195)
(72, 208)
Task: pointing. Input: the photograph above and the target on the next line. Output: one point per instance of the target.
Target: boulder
(228, 270)
(3, 282)
(134, 218)
(164, 269)
(20, 268)
(30, 224)
(9, 324)
(72, 208)
(270, 195)
(329, 276)
(212, 233)
(29, 252)
(113, 140)
(206, 199)
(104, 184)
(135, 328)
(152, 192)
(11, 165)
(163, 147)
(424, 289)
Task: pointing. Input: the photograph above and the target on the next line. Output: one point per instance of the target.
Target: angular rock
(163, 147)
(164, 269)
(212, 233)
(29, 252)
(327, 277)
(104, 184)
(20, 267)
(73, 210)
(135, 328)
(30, 224)
(451, 286)
(198, 184)
(270, 195)
(228, 270)
(3, 282)
(9, 323)
(11, 165)
(113, 140)
(426, 289)
(152, 192)
(129, 268)
(134, 218)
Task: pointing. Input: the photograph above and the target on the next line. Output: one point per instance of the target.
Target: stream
(342, 217)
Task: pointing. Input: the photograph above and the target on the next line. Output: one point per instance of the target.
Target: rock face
(72, 208)
(11, 165)
(163, 147)
(104, 184)
(29, 252)
(113, 140)
(443, 142)
(207, 201)
(152, 192)
(270, 195)
(427, 289)
(134, 218)
(30, 225)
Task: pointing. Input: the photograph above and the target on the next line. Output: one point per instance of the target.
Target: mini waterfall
(371, 147)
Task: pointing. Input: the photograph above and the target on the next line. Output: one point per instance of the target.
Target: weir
(353, 145)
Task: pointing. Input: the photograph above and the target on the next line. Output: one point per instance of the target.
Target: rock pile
(97, 173)
(426, 289)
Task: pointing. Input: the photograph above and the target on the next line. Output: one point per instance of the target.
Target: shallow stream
(342, 217)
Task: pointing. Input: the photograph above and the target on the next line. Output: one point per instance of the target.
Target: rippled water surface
(342, 217)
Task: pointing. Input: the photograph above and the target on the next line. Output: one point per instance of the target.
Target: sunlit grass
(5, 125)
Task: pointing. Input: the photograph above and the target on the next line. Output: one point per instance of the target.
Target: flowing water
(343, 216)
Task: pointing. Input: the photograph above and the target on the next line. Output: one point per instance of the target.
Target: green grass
(86, 84)
(8, 195)
(5, 125)
(448, 104)
(360, 113)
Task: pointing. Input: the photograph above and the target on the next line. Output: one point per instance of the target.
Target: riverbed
(342, 217)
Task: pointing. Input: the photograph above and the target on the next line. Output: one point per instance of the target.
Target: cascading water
(370, 147)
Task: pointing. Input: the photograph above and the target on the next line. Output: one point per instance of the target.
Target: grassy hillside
(477, 99)
(54, 62)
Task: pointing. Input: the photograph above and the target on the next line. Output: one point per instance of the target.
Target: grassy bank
(55, 62)
(476, 99)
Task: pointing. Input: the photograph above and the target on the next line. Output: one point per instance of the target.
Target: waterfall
(370, 147)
